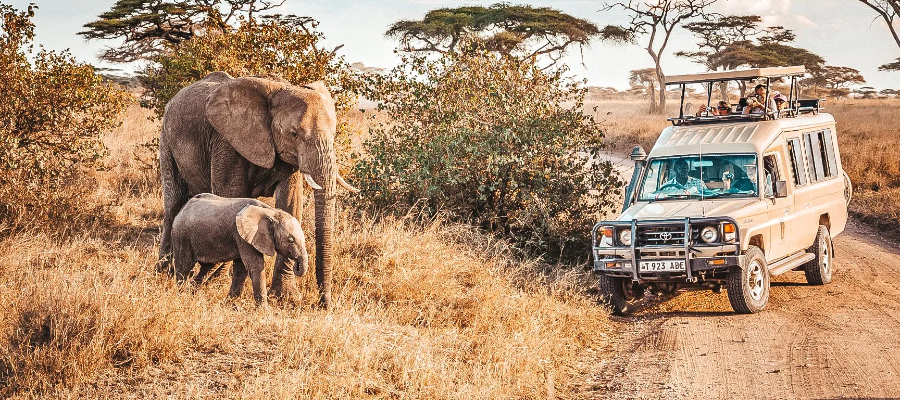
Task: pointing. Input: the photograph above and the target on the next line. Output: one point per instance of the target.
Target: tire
(614, 293)
(819, 270)
(748, 287)
(848, 188)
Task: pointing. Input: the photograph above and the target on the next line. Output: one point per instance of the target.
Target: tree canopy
(502, 28)
(146, 25)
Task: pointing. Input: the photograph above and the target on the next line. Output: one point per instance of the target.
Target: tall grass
(422, 309)
(869, 136)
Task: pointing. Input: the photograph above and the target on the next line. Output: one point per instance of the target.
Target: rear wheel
(619, 294)
(748, 287)
(818, 271)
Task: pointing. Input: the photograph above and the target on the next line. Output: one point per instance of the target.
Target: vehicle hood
(692, 208)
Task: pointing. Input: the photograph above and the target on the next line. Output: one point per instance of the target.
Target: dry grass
(423, 309)
(870, 136)
(867, 130)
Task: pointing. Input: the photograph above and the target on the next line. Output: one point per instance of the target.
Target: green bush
(492, 140)
(53, 112)
(282, 46)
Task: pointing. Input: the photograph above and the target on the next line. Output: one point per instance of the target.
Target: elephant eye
(290, 240)
(294, 133)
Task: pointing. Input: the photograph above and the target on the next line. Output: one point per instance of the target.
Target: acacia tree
(644, 80)
(145, 26)
(655, 19)
(889, 11)
(520, 30)
(735, 41)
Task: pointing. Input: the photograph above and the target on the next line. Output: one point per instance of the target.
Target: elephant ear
(239, 110)
(254, 225)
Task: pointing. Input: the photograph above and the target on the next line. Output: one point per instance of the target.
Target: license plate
(662, 265)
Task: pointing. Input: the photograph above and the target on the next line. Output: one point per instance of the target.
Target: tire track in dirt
(841, 340)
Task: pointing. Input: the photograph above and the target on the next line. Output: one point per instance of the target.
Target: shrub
(280, 46)
(492, 140)
(53, 111)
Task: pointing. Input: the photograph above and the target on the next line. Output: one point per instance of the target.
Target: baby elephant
(212, 229)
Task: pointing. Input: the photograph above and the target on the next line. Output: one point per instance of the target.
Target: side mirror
(638, 154)
(780, 189)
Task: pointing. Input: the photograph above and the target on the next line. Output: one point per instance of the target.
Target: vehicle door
(780, 209)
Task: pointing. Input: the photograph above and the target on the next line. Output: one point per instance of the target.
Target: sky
(843, 32)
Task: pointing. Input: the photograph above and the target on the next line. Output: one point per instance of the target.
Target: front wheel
(619, 294)
(818, 270)
(748, 287)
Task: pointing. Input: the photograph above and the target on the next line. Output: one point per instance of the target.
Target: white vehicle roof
(738, 74)
(738, 137)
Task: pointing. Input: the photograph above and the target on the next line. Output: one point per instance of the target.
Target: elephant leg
(256, 268)
(238, 277)
(175, 196)
(288, 197)
(184, 259)
(205, 269)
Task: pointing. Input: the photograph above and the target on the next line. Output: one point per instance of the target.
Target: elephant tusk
(345, 184)
(311, 182)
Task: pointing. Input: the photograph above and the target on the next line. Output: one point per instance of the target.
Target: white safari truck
(727, 199)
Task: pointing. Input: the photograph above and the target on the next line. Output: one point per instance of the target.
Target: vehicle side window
(828, 152)
(798, 169)
(770, 174)
(814, 156)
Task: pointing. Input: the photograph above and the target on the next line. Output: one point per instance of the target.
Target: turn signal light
(728, 228)
(718, 261)
(606, 231)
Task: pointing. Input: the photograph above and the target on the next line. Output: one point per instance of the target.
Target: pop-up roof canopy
(738, 74)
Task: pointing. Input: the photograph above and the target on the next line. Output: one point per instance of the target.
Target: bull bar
(698, 257)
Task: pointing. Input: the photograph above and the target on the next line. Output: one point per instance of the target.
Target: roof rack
(796, 107)
(737, 74)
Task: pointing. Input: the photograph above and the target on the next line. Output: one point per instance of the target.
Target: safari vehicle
(728, 201)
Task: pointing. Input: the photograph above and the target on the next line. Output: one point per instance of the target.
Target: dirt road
(840, 340)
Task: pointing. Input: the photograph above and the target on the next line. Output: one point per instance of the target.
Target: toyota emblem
(665, 236)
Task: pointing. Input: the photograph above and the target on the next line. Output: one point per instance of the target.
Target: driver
(682, 180)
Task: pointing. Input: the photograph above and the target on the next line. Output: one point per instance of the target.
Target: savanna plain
(423, 308)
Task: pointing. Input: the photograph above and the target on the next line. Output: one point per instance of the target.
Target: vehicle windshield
(695, 176)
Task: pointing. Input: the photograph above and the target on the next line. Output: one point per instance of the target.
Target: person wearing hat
(780, 101)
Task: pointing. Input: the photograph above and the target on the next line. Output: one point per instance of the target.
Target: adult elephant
(252, 137)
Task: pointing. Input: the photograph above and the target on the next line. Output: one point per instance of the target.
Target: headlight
(625, 237)
(709, 234)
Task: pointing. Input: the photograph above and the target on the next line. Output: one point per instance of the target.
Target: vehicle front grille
(662, 235)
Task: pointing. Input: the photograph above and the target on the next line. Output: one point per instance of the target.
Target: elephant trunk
(325, 212)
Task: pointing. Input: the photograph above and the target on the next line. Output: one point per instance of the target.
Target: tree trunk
(661, 106)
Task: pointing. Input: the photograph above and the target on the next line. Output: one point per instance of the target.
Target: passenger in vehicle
(683, 180)
(742, 105)
(723, 108)
(780, 102)
(755, 102)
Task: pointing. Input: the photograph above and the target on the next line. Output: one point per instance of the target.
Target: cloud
(756, 7)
